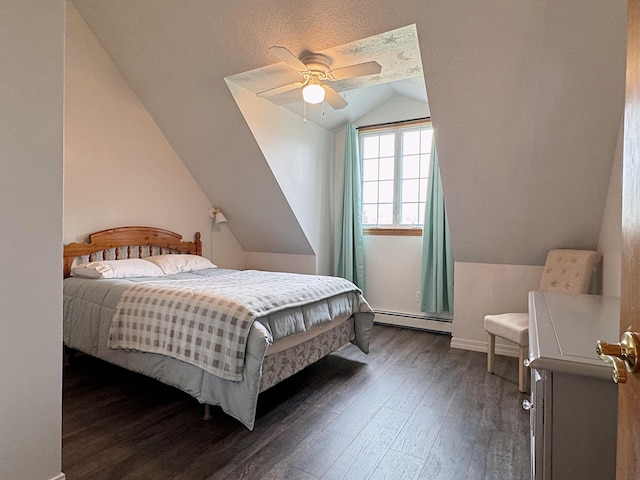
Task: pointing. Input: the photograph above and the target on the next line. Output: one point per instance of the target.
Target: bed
(235, 337)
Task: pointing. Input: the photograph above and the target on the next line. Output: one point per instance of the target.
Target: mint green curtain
(437, 257)
(349, 261)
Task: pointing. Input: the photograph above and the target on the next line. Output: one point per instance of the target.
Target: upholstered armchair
(566, 271)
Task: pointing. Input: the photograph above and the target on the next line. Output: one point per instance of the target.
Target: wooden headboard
(129, 242)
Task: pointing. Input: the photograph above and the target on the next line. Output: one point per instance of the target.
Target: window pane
(370, 214)
(411, 142)
(386, 192)
(370, 170)
(370, 148)
(386, 168)
(411, 166)
(421, 214)
(423, 190)
(387, 145)
(410, 191)
(386, 214)
(424, 165)
(370, 192)
(409, 214)
(426, 137)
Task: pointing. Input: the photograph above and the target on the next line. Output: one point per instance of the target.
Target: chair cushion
(568, 271)
(512, 326)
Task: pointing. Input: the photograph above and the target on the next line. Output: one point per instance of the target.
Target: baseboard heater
(414, 320)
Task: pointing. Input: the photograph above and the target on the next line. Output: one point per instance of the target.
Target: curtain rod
(389, 124)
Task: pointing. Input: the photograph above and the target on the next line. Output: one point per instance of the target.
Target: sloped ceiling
(526, 99)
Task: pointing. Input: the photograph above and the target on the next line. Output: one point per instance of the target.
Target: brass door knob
(623, 356)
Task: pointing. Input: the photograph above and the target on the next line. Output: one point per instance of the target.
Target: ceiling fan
(315, 71)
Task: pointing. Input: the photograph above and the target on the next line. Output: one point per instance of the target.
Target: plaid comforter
(206, 321)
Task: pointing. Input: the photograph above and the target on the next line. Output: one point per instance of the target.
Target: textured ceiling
(397, 52)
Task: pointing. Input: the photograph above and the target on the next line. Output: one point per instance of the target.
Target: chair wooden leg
(491, 349)
(522, 371)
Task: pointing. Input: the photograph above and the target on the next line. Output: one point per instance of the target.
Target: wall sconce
(216, 214)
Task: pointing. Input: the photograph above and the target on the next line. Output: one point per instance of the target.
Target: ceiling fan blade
(281, 89)
(289, 58)
(358, 70)
(333, 99)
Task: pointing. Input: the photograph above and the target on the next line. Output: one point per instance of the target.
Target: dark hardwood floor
(411, 409)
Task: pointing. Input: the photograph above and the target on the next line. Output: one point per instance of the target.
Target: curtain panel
(437, 257)
(349, 260)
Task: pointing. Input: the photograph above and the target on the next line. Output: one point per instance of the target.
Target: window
(395, 169)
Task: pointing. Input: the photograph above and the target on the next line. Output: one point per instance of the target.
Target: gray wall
(31, 77)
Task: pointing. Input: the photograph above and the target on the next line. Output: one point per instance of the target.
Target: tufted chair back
(568, 271)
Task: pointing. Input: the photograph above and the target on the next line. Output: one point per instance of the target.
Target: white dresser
(573, 398)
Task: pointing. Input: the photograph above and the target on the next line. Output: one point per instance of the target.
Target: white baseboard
(476, 346)
(60, 476)
(412, 322)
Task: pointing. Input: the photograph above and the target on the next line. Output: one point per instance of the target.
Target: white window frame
(397, 129)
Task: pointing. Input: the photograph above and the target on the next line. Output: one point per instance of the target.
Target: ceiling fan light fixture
(313, 93)
(315, 68)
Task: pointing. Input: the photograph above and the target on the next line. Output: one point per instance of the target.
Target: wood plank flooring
(411, 409)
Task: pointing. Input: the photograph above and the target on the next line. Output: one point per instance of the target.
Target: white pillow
(180, 262)
(132, 267)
